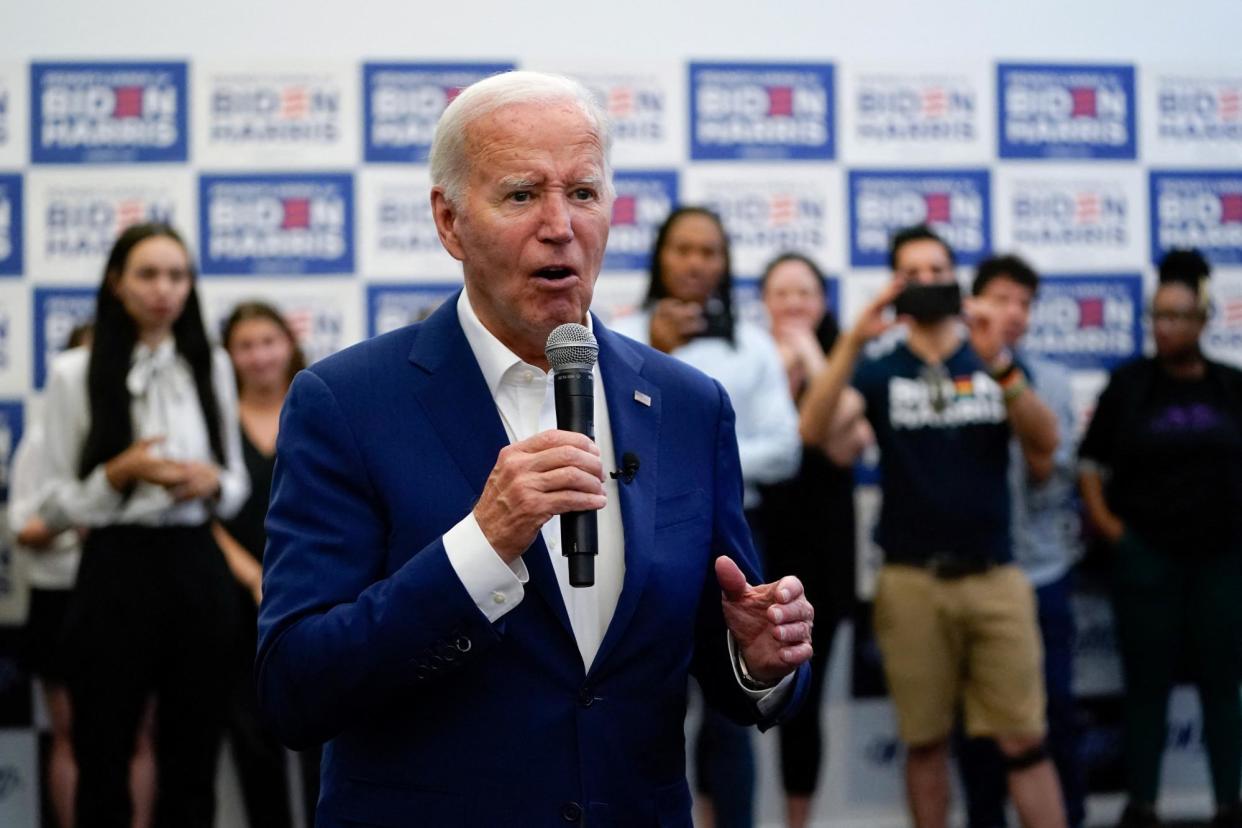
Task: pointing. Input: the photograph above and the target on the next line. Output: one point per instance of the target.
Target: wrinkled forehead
(512, 133)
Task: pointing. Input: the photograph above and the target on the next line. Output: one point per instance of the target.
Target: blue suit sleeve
(338, 635)
(712, 664)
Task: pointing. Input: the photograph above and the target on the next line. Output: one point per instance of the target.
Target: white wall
(881, 30)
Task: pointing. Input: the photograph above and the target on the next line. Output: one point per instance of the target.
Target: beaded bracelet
(1013, 383)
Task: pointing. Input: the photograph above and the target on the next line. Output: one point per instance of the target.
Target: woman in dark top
(809, 521)
(1161, 475)
(265, 357)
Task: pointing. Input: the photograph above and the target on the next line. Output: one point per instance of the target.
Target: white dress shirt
(165, 404)
(56, 566)
(526, 402)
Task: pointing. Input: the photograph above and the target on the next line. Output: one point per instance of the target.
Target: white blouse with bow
(164, 404)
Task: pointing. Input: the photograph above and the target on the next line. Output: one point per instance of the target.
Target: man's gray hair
(450, 165)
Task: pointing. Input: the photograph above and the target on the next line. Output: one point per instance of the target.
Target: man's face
(531, 226)
(1011, 304)
(923, 262)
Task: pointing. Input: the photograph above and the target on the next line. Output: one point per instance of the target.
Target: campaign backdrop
(305, 182)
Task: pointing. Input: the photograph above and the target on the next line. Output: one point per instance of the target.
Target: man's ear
(445, 215)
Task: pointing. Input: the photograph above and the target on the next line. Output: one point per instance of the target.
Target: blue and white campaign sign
(19, 765)
(1197, 209)
(107, 113)
(13, 109)
(57, 311)
(14, 339)
(644, 199)
(1064, 111)
(10, 225)
(396, 230)
(12, 422)
(772, 209)
(289, 116)
(1223, 338)
(283, 224)
(645, 105)
(392, 306)
(401, 103)
(1087, 322)
(890, 114)
(1071, 217)
(954, 203)
(73, 218)
(323, 313)
(874, 755)
(762, 111)
(1191, 118)
(618, 294)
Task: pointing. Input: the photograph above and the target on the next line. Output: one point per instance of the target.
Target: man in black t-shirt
(954, 618)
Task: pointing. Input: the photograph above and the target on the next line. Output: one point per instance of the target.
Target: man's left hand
(771, 623)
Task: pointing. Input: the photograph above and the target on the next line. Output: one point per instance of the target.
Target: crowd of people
(141, 492)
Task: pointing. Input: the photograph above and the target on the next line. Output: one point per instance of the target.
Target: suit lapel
(461, 409)
(636, 429)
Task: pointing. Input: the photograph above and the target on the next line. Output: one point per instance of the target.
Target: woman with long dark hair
(689, 315)
(143, 451)
(1161, 477)
(265, 357)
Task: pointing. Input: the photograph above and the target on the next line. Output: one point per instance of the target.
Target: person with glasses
(1161, 476)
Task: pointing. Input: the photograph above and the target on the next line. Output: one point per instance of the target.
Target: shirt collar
(162, 353)
(494, 358)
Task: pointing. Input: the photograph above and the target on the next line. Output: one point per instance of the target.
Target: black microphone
(629, 468)
(572, 351)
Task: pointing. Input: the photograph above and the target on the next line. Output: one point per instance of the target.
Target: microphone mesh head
(571, 346)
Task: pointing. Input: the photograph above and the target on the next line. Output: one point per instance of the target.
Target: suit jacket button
(585, 697)
(571, 812)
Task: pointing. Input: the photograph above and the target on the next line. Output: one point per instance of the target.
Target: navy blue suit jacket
(369, 641)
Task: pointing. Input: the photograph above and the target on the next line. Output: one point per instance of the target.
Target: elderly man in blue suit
(417, 614)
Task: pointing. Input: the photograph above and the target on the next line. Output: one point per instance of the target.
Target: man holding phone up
(954, 618)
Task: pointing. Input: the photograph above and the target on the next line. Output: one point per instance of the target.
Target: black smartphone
(719, 322)
(929, 303)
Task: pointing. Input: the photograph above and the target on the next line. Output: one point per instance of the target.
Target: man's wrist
(1002, 365)
(1013, 382)
(749, 681)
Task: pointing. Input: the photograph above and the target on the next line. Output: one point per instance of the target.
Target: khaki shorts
(973, 640)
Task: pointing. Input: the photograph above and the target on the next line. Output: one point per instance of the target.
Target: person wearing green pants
(1161, 476)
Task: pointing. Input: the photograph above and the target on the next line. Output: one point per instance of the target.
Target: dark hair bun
(1185, 265)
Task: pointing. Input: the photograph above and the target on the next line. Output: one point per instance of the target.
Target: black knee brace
(1026, 759)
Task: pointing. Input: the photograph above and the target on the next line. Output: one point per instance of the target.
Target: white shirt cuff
(494, 586)
(93, 500)
(768, 699)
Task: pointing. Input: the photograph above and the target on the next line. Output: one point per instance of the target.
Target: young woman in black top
(808, 521)
(1162, 481)
(265, 357)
